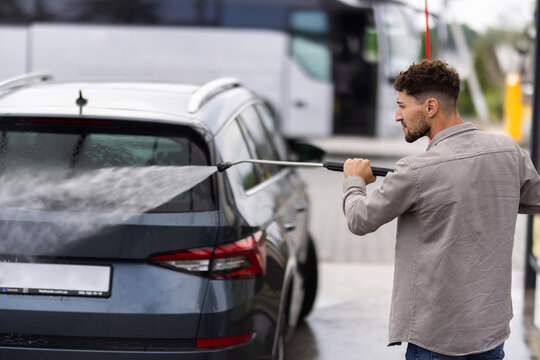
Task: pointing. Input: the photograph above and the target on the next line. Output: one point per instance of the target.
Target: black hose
(338, 166)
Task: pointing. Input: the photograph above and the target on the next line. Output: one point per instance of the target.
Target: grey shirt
(457, 205)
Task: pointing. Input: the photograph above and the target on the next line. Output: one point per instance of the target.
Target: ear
(432, 107)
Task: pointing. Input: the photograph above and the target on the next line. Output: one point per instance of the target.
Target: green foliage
(489, 73)
(465, 103)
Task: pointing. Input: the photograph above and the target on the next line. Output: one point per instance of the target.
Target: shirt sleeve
(397, 194)
(530, 185)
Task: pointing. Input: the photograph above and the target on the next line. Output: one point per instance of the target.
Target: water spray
(76, 206)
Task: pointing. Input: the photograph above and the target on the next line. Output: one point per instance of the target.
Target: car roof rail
(208, 90)
(24, 78)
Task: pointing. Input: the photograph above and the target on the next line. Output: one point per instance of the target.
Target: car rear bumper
(62, 328)
(244, 351)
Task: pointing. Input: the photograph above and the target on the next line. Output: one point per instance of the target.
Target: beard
(421, 130)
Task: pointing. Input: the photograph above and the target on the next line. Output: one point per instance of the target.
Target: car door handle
(289, 226)
(300, 104)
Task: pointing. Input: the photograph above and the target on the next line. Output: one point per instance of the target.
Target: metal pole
(530, 273)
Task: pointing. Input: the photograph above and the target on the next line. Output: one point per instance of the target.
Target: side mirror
(304, 152)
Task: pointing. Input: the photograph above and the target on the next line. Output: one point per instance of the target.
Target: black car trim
(94, 343)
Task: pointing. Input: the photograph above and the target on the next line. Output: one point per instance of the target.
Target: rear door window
(260, 140)
(231, 143)
(274, 134)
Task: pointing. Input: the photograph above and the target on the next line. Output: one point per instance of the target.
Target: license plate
(55, 279)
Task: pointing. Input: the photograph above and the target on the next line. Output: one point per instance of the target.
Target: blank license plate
(55, 279)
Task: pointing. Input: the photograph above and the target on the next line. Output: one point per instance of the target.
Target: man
(456, 205)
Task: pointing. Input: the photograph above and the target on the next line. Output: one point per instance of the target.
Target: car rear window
(71, 147)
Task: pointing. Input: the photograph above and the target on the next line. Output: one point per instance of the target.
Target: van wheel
(311, 279)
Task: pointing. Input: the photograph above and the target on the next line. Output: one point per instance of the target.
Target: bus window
(309, 44)
(253, 14)
(311, 22)
(16, 12)
(155, 12)
(313, 57)
(401, 39)
(371, 46)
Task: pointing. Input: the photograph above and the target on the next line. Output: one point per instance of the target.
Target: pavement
(350, 318)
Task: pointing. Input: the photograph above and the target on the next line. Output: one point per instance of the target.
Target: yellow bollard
(513, 107)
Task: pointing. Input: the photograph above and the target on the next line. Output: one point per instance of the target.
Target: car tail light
(223, 341)
(242, 259)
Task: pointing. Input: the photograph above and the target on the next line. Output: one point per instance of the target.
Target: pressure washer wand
(330, 165)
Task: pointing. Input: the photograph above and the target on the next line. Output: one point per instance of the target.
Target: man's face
(412, 117)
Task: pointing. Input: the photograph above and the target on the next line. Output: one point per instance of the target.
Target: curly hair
(430, 78)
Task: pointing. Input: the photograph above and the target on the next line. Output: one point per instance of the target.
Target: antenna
(81, 102)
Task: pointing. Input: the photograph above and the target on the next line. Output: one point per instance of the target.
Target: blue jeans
(415, 352)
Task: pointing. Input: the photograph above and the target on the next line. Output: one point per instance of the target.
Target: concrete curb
(365, 147)
(381, 148)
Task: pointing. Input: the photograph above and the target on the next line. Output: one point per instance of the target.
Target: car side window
(260, 140)
(274, 134)
(232, 146)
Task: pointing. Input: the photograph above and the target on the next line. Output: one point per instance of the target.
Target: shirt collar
(449, 132)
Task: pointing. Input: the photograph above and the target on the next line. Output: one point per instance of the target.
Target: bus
(325, 67)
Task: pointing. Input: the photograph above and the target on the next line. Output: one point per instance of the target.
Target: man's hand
(359, 167)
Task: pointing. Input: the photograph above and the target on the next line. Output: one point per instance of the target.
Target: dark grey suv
(224, 270)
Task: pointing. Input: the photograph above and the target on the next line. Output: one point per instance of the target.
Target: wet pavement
(350, 317)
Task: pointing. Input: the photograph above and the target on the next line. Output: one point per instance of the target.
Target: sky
(481, 14)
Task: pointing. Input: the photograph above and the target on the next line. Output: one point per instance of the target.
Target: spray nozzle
(224, 166)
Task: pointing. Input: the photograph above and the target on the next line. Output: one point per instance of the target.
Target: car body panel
(137, 238)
